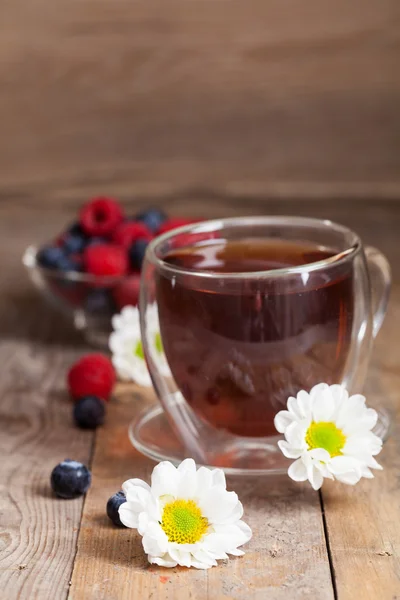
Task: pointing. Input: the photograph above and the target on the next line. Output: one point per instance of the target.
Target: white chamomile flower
(186, 517)
(329, 434)
(126, 345)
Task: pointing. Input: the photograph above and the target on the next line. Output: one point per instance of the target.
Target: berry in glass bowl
(92, 269)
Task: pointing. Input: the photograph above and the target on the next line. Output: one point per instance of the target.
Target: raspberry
(127, 233)
(174, 223)
(92, 375)
(105, 259)
(101, 216)
(127, 292)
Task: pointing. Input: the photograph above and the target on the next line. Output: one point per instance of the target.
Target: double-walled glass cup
(238, 343)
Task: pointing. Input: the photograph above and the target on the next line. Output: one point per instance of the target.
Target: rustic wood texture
(287, 556)
(362, 522)
(245, 97)
(38, 534)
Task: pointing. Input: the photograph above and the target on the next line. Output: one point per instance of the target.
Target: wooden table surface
(341, 543)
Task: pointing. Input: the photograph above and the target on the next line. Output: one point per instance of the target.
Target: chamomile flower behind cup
(127, 348)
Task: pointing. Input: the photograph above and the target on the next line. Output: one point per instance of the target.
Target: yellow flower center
(138, 351)
(327, 436)
(183, 522)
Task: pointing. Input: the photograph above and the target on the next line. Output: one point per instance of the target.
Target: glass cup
(293, 311)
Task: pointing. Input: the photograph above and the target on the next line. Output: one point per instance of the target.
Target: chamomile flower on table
(329, 435)
(186, 516)
(127, 349)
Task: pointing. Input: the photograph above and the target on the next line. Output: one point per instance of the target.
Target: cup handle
(381, 281)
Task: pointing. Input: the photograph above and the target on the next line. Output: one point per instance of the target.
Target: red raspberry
(92, 375)
(105, 259)
(100, 216)
(127, 292)
(127, 233)
(174, 223)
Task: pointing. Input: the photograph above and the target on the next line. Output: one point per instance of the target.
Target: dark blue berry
(70, 479)
(137, 252)
(74, 243)
(153, 218)
(89, 412)
(100, 301)
(67, 263)
(50, 257)
(76, 229)
(113, 505)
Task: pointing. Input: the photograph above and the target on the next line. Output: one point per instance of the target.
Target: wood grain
(286, 557)
(257, 97)
(38, 533)
(363, 522)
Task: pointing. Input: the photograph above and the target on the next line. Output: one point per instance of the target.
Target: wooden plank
(286, 557)
(363, 522)
(260, 96)
(38, 533)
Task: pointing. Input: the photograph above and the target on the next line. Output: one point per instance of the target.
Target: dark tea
(238, 352)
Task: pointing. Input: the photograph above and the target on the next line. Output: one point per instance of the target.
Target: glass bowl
(89, 301)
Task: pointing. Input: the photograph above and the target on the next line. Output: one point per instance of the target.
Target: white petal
(183, 558)
(304, 403)
(297, 470)
(314, 476)
(288, 450)
(236, 552)
(282, 420)
(143, 523)
(138, 497)
(350, 478)
(199, 565)
(163, 561)
(323, 406)
(234, 516)
(133, 483)
(319, 454)
(204, 480)
(227, 538)
(217, 503)
(155, 541)
(129, 517)
(204, 557)
(343, 464)
(164, 479)
(187, 480)
(295, 434)
(317, 389)
(365, 472)
(293, 408)
(219, 478)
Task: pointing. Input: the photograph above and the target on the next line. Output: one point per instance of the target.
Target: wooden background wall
(282, 98)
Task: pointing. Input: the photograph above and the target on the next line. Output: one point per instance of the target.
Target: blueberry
(89, 412)
(50, 257)
(74, 243)
(113, 505)
(153, 218)
(99, 301)
(67, 263)
(137, 252)
(76, 229)
(70, 479)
